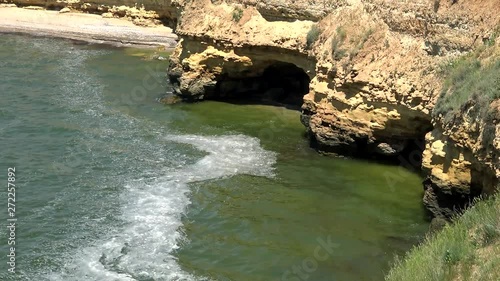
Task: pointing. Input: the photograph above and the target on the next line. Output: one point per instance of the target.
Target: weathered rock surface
(461, 160)
(220, 57)
(384, 88)
(277, 10)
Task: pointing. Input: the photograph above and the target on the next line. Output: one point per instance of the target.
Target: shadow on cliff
(280, 84)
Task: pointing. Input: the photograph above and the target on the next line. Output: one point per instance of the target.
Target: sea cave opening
(279, 84)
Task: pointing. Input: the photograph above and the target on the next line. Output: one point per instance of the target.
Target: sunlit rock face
(461, 160)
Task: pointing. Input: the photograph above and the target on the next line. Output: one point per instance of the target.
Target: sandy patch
(84, 27)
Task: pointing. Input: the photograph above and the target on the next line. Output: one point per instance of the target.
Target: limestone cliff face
(363, 71)
(224, 52)
(461, 159)
(273, 10)
(377, 98)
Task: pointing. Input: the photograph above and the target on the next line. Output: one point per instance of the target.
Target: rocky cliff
(233, 52)
(364, 72)
(461, 161)
(462, 154)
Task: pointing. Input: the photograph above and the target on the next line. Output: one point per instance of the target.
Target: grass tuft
(467, 249)
(237, 14)
(491, 41)
(467, 81)
(312, 36)
(337, 42)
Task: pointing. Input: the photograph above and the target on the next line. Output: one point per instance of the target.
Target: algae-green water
(112, 185)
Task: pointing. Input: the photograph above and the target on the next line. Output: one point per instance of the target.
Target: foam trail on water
(152, 212)
(228, 155)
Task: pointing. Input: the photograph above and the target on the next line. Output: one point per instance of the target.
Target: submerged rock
(170, 98)
(461, 161)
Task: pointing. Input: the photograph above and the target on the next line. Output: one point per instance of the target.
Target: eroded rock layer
(232, 52)
(462, 159)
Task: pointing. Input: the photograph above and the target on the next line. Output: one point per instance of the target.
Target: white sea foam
(143, 249)
(142, 243)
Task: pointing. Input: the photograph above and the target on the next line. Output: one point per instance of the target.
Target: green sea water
(112, 185)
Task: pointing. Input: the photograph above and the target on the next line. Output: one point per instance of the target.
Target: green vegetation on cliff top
(467, 79)
(472, 78)
(237, 14)
(467, 249)
(312, 36)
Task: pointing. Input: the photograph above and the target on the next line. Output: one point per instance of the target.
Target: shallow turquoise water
(114, 186)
